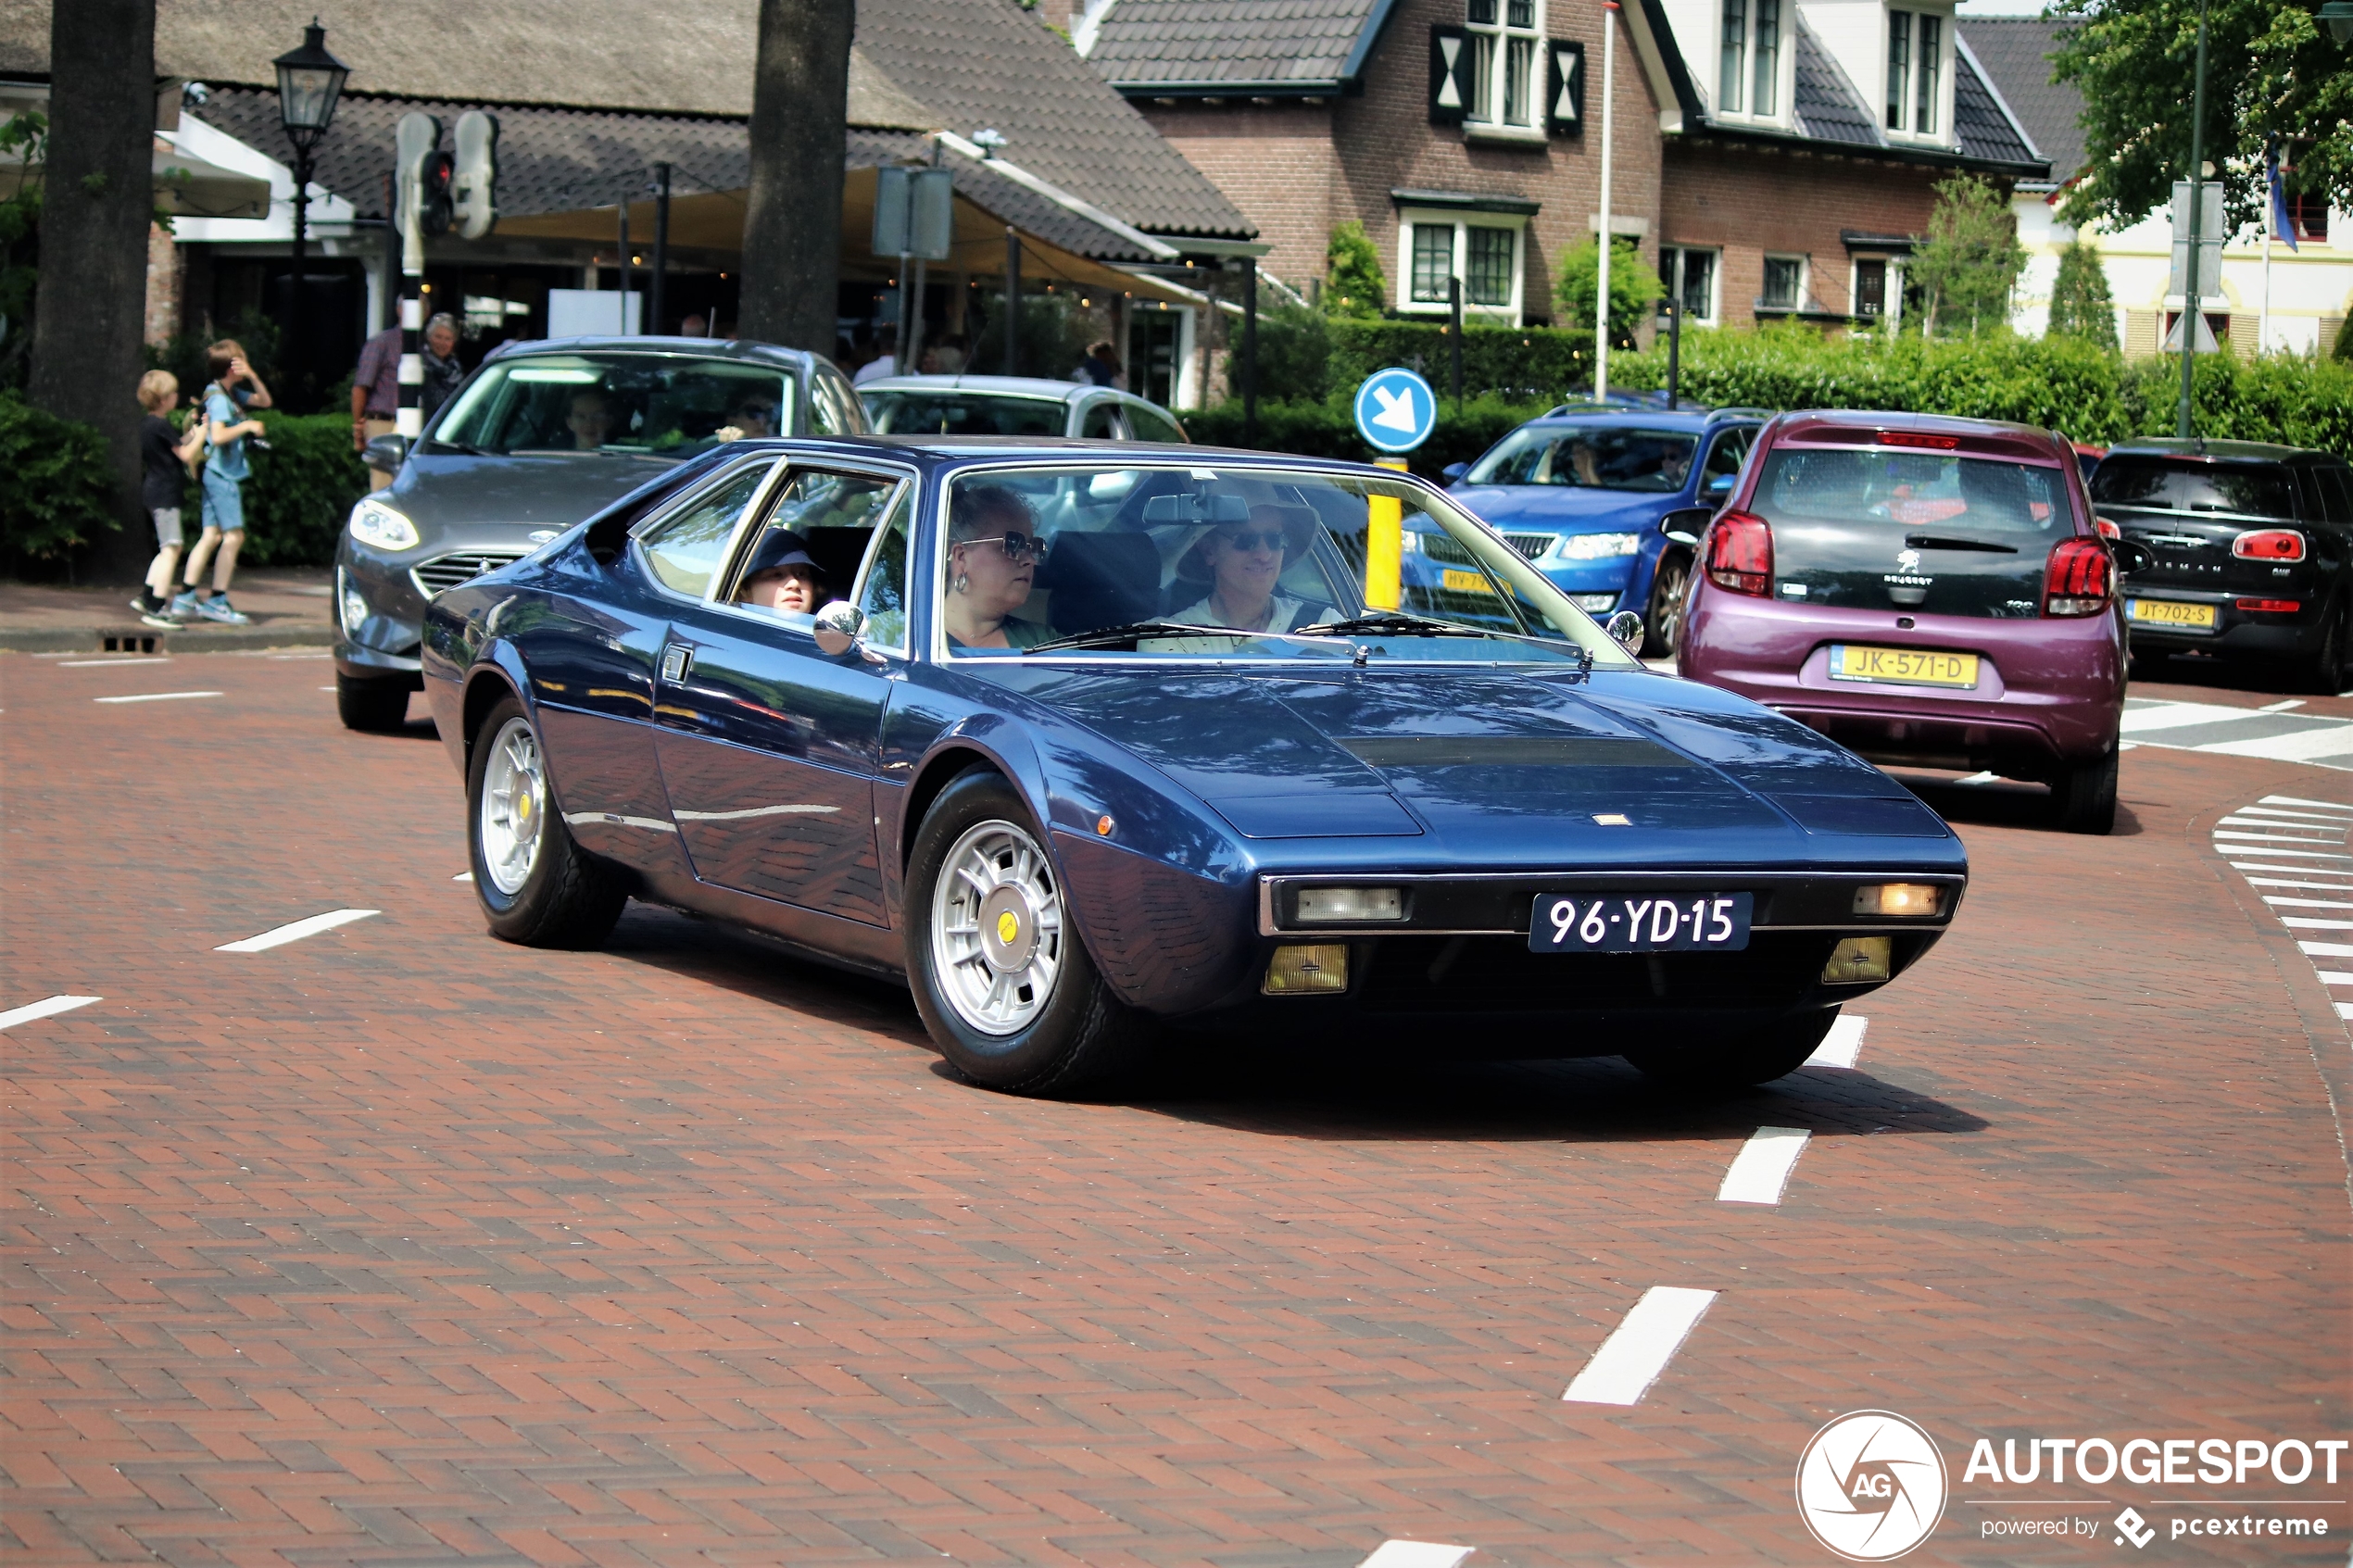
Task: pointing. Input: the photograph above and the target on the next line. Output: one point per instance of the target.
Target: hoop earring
(964, 583)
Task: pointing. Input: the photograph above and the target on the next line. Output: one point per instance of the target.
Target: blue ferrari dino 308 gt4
(1093, 745)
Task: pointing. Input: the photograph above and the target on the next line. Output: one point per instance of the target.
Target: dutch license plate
(1902, 667)
(1639, 923)
(1465, 581)
(2169, 612)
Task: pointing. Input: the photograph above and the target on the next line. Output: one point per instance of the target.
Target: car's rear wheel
(537, 886)
(375, 707)
(1771, 1052)
(1003, 983)
(1663, 622)
(2326, 673)
(2084, 798)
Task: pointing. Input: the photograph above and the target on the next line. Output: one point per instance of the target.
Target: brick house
(1771, 159)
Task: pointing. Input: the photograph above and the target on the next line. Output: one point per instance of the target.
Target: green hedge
(1328, 430)
(54, 484)
(301, 489)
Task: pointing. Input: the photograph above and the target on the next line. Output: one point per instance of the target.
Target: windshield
(1280, 564)
(930, 412)
(658, 405)
(2177, 484)
(1591, 459)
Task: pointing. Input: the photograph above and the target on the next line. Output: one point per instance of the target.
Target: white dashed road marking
(1842, 1045)
(279, 936)
(2297, 821)
(1631, 1358)
(463, 876)
(2276, 732)
(154, 696)
(1415, 1554)
(101, 663)
(1761, 1169)
(48, 1007)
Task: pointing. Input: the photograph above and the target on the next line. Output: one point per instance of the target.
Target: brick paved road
(397, 1245)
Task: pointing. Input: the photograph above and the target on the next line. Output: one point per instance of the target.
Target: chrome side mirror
(1626, 628)
(839, 627)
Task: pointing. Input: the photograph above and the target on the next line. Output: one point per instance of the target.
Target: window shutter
(1565, 113)
(1449, 75)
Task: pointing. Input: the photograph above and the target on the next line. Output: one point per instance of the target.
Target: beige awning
(186, 186)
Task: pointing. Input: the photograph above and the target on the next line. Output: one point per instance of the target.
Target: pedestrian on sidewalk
(165, 456)
(234, 388)
(375, 397)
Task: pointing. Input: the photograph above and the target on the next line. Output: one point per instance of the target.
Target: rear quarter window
(2187, 484)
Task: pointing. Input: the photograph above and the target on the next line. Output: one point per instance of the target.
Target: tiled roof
(2016, 55)
(1985, 130)
(985, 64)
(1829, 110)
(1203, 42)
(561, 160)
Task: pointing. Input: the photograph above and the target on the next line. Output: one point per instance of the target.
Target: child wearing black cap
(781, 576)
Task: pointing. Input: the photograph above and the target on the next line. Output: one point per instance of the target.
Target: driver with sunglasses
(992, 559)
(1243, 563)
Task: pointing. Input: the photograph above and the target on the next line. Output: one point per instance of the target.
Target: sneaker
(185, 606)
(219, 608)
(159, 619)
(147, 604)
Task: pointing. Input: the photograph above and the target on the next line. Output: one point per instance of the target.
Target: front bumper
(383, 641)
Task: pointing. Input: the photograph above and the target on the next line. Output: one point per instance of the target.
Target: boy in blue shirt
(226, 427)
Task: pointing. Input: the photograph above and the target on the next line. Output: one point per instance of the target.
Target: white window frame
(1805, 282)
(1484, 111)
(1714, 280)
(1410, 218)
(1741, 105)
(1914, 16)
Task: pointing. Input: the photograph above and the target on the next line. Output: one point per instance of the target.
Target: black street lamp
(310, 82)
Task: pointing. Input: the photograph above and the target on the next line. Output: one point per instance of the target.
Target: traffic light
(413, 142)
(475, 187)
(433, 191)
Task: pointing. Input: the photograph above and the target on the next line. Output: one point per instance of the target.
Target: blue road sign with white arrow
(1395, 410)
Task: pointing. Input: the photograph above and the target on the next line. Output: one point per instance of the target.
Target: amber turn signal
(1897, 898)
(1300, 969)
(1857, 960)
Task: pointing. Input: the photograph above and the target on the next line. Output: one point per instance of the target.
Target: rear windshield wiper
(1939, 542)
(1134, 631)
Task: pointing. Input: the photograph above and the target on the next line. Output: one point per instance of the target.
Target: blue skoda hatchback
(1607, 502)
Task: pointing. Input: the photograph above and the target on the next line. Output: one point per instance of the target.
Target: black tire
(563, 898)
(372, 706)
(1662, 620)
(2083, 799)
(1079, 1034)
(2325, 674)
(1771, 1052)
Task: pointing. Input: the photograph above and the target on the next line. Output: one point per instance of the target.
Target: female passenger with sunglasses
(991, 561)
(1243, 563)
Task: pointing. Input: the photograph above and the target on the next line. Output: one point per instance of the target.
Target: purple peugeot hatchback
(1929, 591)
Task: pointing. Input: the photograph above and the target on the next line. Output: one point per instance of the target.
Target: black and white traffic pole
(414, 141)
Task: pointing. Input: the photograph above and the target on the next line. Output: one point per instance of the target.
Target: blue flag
(2283, 224)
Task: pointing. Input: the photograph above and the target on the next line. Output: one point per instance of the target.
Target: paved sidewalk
(291, 607)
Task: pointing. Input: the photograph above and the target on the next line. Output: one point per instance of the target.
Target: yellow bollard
(1384, 545)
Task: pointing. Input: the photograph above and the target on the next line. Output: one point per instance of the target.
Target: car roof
(1570, 414)
(942, 451)
(738, 349)
(1013, 386)
(2235, 451)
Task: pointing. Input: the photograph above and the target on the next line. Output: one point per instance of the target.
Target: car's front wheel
(537, 886)
(375, 707)
(1663, 621)
(1003, 981)
(1760, 1057)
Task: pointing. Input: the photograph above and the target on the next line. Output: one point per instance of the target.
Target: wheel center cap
(522, 806)
(1008, 930)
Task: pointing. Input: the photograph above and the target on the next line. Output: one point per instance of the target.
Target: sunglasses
(1269, 539)
(1018, 546)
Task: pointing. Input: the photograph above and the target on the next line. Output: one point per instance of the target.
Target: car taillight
(1739, 553)
(2268, 544)
(2271, 607)
(2109, 530)
(2077, 580)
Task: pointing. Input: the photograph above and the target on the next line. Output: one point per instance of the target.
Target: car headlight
(350, 601)
(1600, 547)
(374, 523)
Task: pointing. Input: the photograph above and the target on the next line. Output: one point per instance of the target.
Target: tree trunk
(792, 218)
(90, 310)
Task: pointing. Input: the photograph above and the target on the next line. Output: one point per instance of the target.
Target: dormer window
(1915, 74)
(1748, 69)
(1503, 37)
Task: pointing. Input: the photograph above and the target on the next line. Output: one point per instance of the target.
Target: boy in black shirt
(164, 456)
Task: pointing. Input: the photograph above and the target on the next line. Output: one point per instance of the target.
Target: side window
(1724, 458)
(806, 554)
(1101, 422)
(684, 548)
(2336, 493)
(1151, 424)
(834, 408)
(883, 594)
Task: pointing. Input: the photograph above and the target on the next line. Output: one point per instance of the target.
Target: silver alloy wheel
(514, 806)
(997, 928)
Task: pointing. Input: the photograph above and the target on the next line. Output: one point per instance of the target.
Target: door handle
(676, 659)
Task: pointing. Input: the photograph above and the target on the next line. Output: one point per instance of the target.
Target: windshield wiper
(1938, 542)
(470, 449)
(1394, 622)
(1113, 636)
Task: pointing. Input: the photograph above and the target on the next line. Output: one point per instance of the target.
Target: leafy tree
(2079, 302)
(1294, 350)
(25, 139)
(1634, 290)
(1353, 284)
(1970, 259)
(2270, 71)
(2343, 351)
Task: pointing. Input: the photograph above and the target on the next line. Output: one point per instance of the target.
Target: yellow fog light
(1300, 969)
(1858, 960)
(1345, 906)
(1897, 898)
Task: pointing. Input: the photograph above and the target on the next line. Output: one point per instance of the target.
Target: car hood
(1493, 769)
(1561, 507)
(452, 490)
